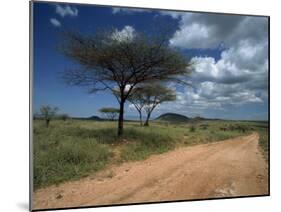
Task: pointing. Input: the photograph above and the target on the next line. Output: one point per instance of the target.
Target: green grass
(72, 149)
(146, 141)
(59, 157)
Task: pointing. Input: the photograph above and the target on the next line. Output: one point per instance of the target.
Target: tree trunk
(47, 122)
(147, 120)
(121, 118)
(140, 118)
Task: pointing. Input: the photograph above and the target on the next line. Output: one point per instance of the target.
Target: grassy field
(72, 149)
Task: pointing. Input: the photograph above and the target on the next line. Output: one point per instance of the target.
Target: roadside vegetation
(264, 140)
(70, 149)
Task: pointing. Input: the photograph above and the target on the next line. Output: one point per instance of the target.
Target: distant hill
(94, 118)
(172, 117)
(199, 118)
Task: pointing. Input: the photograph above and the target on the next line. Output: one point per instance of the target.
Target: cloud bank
(239, 76)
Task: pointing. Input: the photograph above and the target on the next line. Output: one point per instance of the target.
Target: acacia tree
(110, 60)
(138, 100)
(110, 112)
(47, 113)
(154, 95)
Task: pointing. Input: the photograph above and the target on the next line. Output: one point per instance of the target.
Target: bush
(238, 127)
(192, 128)
(204, 126)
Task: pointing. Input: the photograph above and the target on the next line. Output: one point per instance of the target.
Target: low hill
(172, 117)
(94, 118)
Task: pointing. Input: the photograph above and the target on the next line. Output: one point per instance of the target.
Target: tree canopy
(47, 113)
(110, 112)
(148, 97)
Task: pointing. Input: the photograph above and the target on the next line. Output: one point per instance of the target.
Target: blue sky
(230, 53)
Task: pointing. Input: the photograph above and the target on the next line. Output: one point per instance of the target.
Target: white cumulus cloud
(126, 34)
(66, 10)
(55, 22)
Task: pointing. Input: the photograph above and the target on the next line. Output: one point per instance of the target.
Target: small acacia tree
(47, 113)
(154, 95)
(110, 112)
(113, 59)
(137, 99)
(148, 97)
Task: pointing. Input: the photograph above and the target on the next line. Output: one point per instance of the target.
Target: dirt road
(233, 167)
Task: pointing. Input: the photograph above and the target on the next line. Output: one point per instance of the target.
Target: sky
(229, 53)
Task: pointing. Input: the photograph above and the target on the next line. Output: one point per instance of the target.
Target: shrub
(204, 126)
(192, 128)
